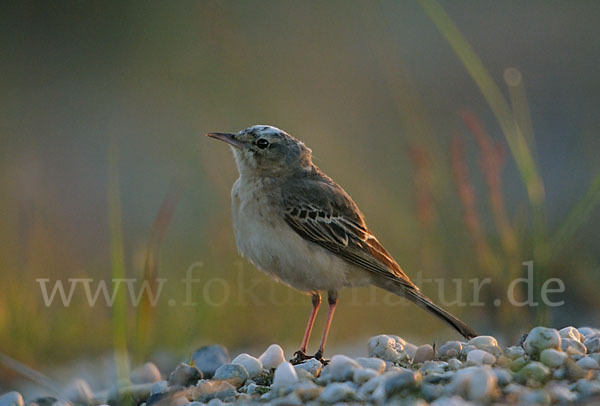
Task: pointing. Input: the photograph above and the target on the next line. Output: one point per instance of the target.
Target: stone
(399, 381)
(158, 387)
(409, 351)
(587, 331)
(477, 384)
(514, 352)
(552, 358)
(541, 338)
(235, 374)
(312, 366)
(592, 343)
(454, 364)
(272, 357)
(573, 347)
(147, 373)
(206, 390)
(486, 343)
(207, 359)
(337, 392)
(253, 365)
(503, 376)
(480, 357)
(386, 348)
(11, 399)
(450, 349)
(570, 332)
(534, 374)
(340, 369)
(375, 364)
(423, 353)
(588, 363)
(79, 392)
(184, 375)
(285, 375)
(362, 375)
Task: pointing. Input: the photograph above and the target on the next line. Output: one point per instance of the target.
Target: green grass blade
(577, 218)
(119, 310)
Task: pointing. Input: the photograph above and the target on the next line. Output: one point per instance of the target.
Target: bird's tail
(413, 293)
(425, 303)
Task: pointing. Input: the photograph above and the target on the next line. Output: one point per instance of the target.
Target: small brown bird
(300, 227)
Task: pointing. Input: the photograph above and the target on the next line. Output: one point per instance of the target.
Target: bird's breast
(265, 239)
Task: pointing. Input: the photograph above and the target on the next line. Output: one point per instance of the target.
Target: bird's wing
(322, 212)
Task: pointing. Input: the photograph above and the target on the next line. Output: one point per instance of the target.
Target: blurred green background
(372, 87)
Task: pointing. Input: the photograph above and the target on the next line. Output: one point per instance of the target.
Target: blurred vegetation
(454, 185)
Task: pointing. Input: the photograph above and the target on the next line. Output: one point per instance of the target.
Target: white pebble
(475, 383)
(372, 363)
(147, 373)
(11, 399)
(552, 358)
(272, 357)
(570, 332)
(588, 363)
(362, 375)
(252, 365)
(423, 353)
(336, 392)
(480, 357)
(285, 375)
(541, 338)
(340, 368)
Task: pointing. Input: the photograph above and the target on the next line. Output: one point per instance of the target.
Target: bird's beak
(226, 137)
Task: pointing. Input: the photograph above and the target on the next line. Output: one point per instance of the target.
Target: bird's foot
(299, 357)
(319, 357)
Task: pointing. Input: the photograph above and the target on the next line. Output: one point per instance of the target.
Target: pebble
(570, 332)
(553, 358)
(450, 349)
(372, 363)
(337, 392)
(587, 331)
(312, 366)
(475, 383)
(285, 375)
(158, 387)
(206, 390)
(410, 350)
(340, 369)
(592, 343)
(398, 381)
(541, 338)
(588, 363)
(208, 359)
(571, 346)
(362, 375)
(486, 343)
(79, 392)
(253, 365)
(386, 348)
(454, 364)
(235, 374)
(11, 399)
(423, 353)
(514, 352)
(503, 376)
(147, 373)
(534, 374)
(184, 375)
(272, 357)
(480, 357)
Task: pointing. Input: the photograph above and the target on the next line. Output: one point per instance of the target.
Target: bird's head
(263, 150)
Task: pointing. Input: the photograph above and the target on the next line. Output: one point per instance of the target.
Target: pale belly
(263, 237)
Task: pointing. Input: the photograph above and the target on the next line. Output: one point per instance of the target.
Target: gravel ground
(547, 366)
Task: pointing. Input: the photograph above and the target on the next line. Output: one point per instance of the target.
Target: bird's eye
(262, 143)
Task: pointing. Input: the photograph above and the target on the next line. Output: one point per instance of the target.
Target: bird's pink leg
(332, 300)
(316, 302)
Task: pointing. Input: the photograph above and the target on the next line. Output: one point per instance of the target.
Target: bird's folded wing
(323, 213)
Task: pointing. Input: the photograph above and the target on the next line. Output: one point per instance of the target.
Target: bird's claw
(299, 357)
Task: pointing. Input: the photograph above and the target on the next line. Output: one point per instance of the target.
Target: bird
(301, 228)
